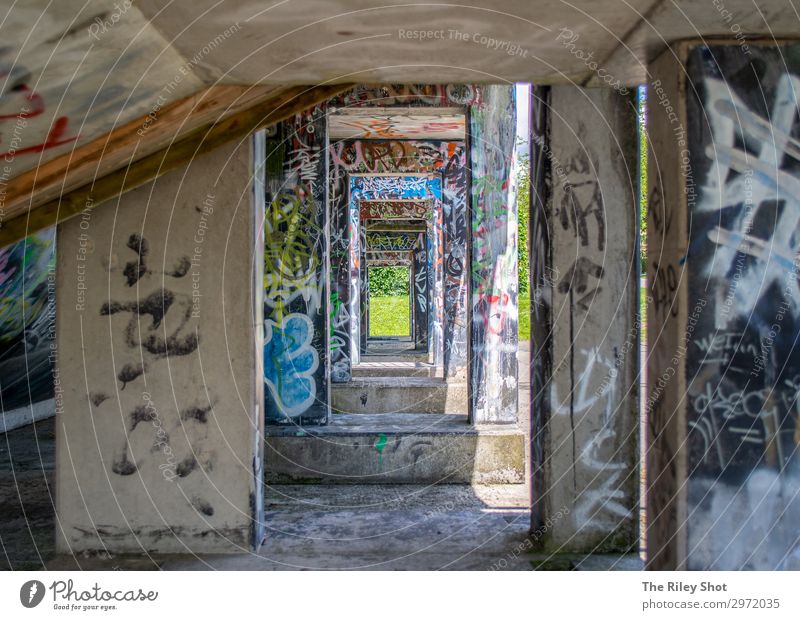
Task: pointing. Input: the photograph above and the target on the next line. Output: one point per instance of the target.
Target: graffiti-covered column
(160, 424)
(493, 281)
(724, 314)
(454, 207)
(589, 434)
(420, 293)
(295, 273)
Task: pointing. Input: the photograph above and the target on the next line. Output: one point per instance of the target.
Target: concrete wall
(589, 450)
(725, 311)
(493, 281)
(157, 353)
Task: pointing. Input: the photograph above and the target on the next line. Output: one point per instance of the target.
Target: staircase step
(404, 448)
(392, 368)
(399, 395)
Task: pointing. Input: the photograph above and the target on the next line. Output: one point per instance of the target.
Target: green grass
(524, 317)
(389, 316)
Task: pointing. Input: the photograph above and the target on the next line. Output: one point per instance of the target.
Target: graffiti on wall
(494, 258)
(389, 259)
(353, 158)
(27, 320)
(422, 291)
(743, 260)
(411, 95)
(295, 287)
(388, 241)
(454, 228)
(391, 187)
(746, 371)
(22, 131)
(603, 504)
(395, 209)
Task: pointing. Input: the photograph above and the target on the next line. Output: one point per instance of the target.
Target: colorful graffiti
(390, 241)
(411, 95)
(494, 258)
(390, 187)
(27, 320)
(290, 362)
(422, 292)
(19, 104)
(454, 219)
(395, 209)
(295, 287)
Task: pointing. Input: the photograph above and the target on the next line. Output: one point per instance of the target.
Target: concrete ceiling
(72, 71)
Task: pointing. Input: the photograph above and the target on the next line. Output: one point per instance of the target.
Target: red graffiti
(35, 106)
(33, 98)
(495, 311)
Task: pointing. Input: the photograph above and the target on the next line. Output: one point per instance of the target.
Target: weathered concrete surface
(388, 448)
(391, 527)
(27, 501)
(526, 34)
(395, 369)
(589, 448)
(157, 357)
(399, 395)
(723, 475)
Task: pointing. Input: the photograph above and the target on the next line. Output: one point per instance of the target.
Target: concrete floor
(383, 527)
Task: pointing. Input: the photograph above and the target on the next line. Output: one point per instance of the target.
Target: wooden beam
(129, 166)
(140, 137)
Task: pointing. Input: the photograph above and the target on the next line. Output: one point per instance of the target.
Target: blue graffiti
(289, 364)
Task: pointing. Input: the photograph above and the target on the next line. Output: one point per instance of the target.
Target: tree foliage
(388, 281)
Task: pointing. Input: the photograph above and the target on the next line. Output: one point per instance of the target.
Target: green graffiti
(380, 444)
(291, 264)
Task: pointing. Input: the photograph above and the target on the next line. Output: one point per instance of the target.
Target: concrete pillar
(724, 313)
(585, 283)
(158, 438)
(296, 347)
(420, 291)
(454, 205)
(493, 281)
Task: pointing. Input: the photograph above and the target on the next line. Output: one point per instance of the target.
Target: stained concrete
(158, 360)
(392, 368)
(387, 448)
(399, 395)
(591, 445)
(392, 527)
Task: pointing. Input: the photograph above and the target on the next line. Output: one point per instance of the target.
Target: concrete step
(395, 448)
(399, 395)
(391, 368)
(398, 356)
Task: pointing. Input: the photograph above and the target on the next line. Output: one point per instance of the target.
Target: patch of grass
(524, 317)
(389, 316)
